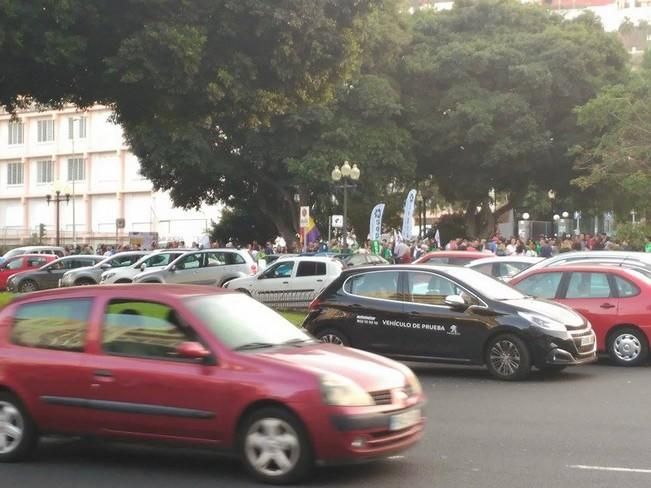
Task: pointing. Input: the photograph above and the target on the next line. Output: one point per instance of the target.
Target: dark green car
(48, 276)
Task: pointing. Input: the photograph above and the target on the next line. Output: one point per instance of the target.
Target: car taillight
(254, 269)
(314, 305)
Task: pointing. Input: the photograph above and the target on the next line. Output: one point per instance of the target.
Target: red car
(616, 300)
(20, 263)
(455, 258)
(189, 364)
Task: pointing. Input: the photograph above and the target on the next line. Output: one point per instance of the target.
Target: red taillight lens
(314, 305)
(254, 268)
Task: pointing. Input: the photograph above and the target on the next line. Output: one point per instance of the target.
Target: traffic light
(41, 232)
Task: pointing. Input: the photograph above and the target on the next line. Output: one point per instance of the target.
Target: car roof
(155, 291)
(578, 267)
(77, 256)
(455, 253)
(499, 259)
(46, 256)
(325, 259)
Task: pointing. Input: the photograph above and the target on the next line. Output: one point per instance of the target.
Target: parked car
(352, 260)
(615, 299)
(23, 262)
(155, 260)
(503, 267)
(48, 276)
(205, 267)
(455, 258)
(609, 257)
(289, 282)
(449, 314)
(185, 364)
(92, 275)
(55, 250)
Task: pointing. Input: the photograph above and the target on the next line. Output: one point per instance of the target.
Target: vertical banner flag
(408, 216)
(375, 232)
(437, 238)
(312, 233)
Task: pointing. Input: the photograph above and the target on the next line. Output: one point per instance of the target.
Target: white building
(81, 154)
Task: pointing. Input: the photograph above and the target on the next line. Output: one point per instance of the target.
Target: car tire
(242, 290)
(508, 358)
(17, 430)
(274, 446)
(27, 286)
(333, 336)
(84, 282)
(628, 346)
(123, 282)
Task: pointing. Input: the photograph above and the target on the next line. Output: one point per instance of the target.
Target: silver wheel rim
(627, 347)
(505, 357)
(12, 427)
(28, 286)
(272, 447)
(332, 339)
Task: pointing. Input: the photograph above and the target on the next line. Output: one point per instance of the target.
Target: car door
(12, 266)
(142, 387)
(439, 330)
(47, 347)
(308, 279)
(187, 269)
(214, 269)
(375, 310)
(272, 286)
(593, 295)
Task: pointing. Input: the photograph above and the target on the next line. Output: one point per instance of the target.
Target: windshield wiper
(254, 345)
(292, 342)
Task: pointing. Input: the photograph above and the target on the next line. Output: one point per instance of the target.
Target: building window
(44, 171)
(76, 169)
(16, 130)
(15, 174)
(80, 122)
(45, 131)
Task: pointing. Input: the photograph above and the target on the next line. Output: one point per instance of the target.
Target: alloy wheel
(505, 357)
(12, 427)
(272, 447)
(28, 286)
(332, 339)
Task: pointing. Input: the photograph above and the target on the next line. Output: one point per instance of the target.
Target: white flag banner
(375, 232)
(437, 238)
(408, 216)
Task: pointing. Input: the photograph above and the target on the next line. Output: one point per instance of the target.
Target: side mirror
(143, 266)
(456, 302)
(192, 350)
(173, 267)
(105, 266)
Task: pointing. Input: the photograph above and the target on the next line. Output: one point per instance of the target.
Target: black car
(449, 314)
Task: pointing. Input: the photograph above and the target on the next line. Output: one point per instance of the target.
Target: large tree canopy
(493, 85)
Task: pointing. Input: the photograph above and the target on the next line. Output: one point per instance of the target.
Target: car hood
(371, 372)
(245, 281)
(555, 311)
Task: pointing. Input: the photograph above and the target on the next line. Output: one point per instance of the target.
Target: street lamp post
(57, 199)
(349, 176)
(75, 169)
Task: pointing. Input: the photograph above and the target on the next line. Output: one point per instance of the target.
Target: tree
(491, 87)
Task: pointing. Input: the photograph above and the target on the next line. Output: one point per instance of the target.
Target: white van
(57, 251)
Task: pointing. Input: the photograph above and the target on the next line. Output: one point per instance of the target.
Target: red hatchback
(188, 364)
(454, 258)
(24, 262)
(614, 299)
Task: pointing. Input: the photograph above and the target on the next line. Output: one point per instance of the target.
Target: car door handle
(102, 373)
(319, 281)
(285, 282)
(607, 305)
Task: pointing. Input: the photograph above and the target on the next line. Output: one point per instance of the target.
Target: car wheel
(507, 358)
(84, 282)
(628, 347)
(122, 282)
(242, 290)
(27, 286)
(333, 336)
(18, 436)
(274, 446)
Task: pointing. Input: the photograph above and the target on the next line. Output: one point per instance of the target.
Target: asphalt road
(587, 427)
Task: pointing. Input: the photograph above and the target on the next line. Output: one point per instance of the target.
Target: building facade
(83, 156)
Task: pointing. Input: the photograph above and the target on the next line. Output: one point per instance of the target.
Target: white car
(155, 260)
(503, 267)
(289, 282)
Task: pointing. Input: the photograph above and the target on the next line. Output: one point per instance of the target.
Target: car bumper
(346, 438)
(570, 349)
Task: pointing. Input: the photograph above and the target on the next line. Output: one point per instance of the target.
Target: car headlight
(342, 392)
(543, 322)
(414, 384)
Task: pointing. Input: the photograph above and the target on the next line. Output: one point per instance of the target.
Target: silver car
(155, 260)
(92, 275)
(205, 267)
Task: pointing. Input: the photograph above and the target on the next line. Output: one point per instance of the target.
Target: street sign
(120, 223)
(304, 217)
(337, 221)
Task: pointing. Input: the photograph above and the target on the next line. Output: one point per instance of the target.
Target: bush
(635, 235)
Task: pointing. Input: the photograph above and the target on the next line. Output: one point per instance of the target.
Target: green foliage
(243, 226)
(635, 235)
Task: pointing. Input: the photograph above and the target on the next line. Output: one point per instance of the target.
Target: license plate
(404, 420)
(587, 341)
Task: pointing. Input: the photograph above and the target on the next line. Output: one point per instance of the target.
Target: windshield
(237, 321)
(485, 285)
